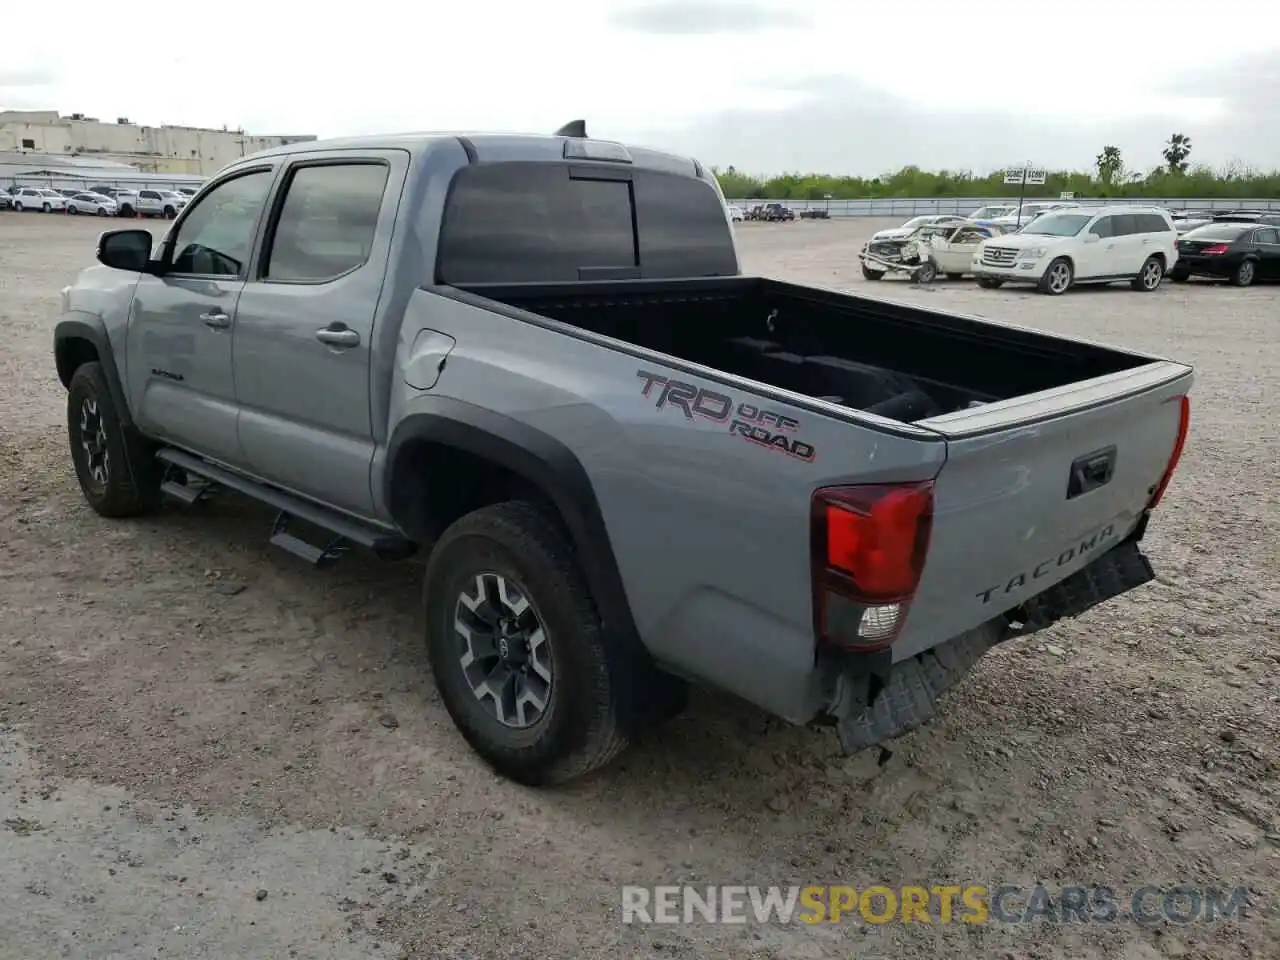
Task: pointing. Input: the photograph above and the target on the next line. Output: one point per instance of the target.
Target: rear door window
(1125, 225)
(528, 221)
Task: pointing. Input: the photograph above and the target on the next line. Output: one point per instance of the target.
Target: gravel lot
(208, 751)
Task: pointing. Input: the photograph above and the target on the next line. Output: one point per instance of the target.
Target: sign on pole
(1067, 195)
(1030, 176)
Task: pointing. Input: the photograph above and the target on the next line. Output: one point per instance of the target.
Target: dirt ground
(207, 750)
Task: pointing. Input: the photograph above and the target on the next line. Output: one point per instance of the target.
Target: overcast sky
(830, 85)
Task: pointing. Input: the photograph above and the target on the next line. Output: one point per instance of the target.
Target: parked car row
(101, 200)
(1072, 245)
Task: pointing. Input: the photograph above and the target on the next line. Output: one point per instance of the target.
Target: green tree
(1109, 163)
(1176, 152)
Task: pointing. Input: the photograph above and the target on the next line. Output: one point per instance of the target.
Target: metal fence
(917, 206)
(74, 182)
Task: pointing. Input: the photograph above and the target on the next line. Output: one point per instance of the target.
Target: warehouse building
(174, 150)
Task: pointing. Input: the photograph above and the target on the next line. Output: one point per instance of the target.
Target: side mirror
(1091, 238)
(125, 249)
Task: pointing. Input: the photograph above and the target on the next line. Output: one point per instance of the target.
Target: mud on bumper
(874, 700)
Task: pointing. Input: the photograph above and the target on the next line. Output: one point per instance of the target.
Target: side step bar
(388, 546)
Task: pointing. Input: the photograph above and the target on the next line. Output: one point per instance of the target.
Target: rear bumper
(873, 699)
(1207, 266)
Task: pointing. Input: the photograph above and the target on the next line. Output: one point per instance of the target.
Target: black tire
(102, 211)
(45, 208)
(869, 274)
(127, 483)
(955, 276)
(170, 213)
(1245, 274)
(17, 206)
(1149, 277)
(126, 211)
(990, 283)
(73, 209)
(1179, 275)
(1057, 278)
(927, 272)
(579, 728)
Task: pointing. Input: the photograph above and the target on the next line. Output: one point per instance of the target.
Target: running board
(388, 546)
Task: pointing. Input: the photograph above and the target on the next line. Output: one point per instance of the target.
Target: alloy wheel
(504, 652)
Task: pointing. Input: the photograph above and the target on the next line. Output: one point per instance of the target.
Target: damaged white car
(926, 252)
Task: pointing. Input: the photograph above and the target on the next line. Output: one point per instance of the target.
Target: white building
(165, 149)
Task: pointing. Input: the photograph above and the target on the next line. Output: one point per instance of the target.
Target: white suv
(1082, 245)
(38, 198)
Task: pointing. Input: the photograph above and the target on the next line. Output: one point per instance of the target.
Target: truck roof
(486, 147)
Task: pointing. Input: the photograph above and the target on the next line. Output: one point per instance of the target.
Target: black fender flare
(85, 326)
(546, 462)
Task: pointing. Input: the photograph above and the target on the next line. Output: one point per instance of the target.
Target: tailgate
(1035, 488)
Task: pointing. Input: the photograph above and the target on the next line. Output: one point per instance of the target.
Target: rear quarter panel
(710, 530)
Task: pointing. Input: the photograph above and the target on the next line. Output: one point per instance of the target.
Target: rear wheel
(1149, 277)
(927, 272)
(45, 208)
(17, 206)
(1245, 273)
(517, 649)
(869, 274)
(1180, 275)
(170, 213)
(73, 209)
(1057, 278)
(126, 210)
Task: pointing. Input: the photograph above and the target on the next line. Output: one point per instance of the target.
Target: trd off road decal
(754, 424)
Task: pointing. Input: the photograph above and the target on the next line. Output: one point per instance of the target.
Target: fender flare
(547, 462)
(85, 326)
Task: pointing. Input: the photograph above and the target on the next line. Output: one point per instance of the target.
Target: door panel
(304, 328)
(1268, 241)
(180, 374)
(1095, 259)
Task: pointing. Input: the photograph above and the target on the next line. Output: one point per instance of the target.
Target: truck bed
(897, 361)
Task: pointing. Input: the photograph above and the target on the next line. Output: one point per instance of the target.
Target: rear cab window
(544, 221)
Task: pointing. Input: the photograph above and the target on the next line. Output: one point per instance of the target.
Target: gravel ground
(207, 750)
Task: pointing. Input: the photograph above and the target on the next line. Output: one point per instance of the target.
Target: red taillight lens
(869, 544)
(1184, 424)
(1214, 250)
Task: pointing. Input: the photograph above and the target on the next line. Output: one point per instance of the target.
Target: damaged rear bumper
(873, 700)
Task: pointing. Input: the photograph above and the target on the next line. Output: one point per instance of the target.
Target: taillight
(868, 549)
(1184, 423)
(1214, 249)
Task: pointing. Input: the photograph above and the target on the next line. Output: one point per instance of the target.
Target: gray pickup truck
(535, 360)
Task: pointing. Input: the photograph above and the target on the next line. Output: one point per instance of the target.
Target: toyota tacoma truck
(535, 362)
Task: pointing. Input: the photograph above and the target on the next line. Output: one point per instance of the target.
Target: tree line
(1177, 177)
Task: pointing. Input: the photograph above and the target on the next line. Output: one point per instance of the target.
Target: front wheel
(45, 208)
(73, 210)
(1245, 274)
(170, 213)
(517, 649)
(1149, 277)
(126, 211)
(1180, 275)
(1057, 278)
(117, 477)
(990, 283)
(869, 274)
(17, 206)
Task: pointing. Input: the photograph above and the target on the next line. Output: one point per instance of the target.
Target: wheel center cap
(504, 648)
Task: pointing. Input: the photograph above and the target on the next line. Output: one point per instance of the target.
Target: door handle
(216, 319)
(338, 336)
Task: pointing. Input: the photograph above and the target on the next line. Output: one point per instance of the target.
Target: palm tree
(1176, 152)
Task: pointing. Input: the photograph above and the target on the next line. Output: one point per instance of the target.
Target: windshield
(1058, 224)
(917, 222)
(1219, 231)
(989, 213)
